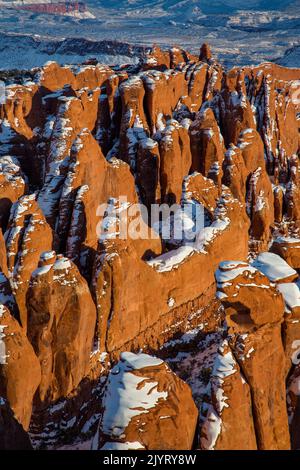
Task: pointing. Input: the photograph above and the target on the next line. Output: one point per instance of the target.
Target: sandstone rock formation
(20, 372)
(12, 185)
(145, 406)
(28, 235)
(230, 403)
(87, 273)
(289, 249)
(61, 324)
(255, 334)
(119, 301)
(291, 326)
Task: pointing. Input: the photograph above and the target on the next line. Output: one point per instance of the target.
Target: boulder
(145, 406)
(288, 248)
(175, 161)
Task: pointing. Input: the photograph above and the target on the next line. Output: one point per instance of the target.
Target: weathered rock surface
(145, 406)
(27, 236)
(61, 325)
(289, 249)
(275, 268)
(12, 186)
(260, 206)
(127, 314)
(293, 401)
(80, 148)
(255, 338)
(230, 403)
(20, 372)
(207, 145)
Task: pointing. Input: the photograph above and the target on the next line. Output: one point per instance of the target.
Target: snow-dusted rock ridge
(151, 342)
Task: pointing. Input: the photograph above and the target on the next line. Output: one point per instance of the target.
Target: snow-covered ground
(239, 32)
(291, 58)
(19, 51)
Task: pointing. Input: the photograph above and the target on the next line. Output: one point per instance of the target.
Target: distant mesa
(50, 7)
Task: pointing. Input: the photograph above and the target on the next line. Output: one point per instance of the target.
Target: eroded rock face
(145, 406)
(230, 403)
(289, 249)
(174, 143)
(293, 406)
(12, 186)
(205, 53)
(61, 325)
(235, 173)
(3, 260)
(255, 338)
(79, 148)
(127, 316)
(260, 206)
(27, 236)
(90, 182)
(20, 371)
(269, 401)
(243, 279)
(207, 145)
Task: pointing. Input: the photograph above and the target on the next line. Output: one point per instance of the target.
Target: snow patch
(291, 294)
(128, 395)
(273, 266)
(122, 446)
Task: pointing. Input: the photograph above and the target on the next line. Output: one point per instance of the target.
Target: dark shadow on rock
(12, 434)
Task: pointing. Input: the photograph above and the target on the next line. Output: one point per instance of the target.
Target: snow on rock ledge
(146, 406)
(289, 249)
(291, 294)
(274, 267)
(252, 298)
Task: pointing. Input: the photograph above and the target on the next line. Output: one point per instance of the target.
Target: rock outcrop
(92, 267)
(61, 325)
(289, 249)
(127, 314)
(20, 372)
(145, 406)
(255, 339)
(27, 236)
(230, 403)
